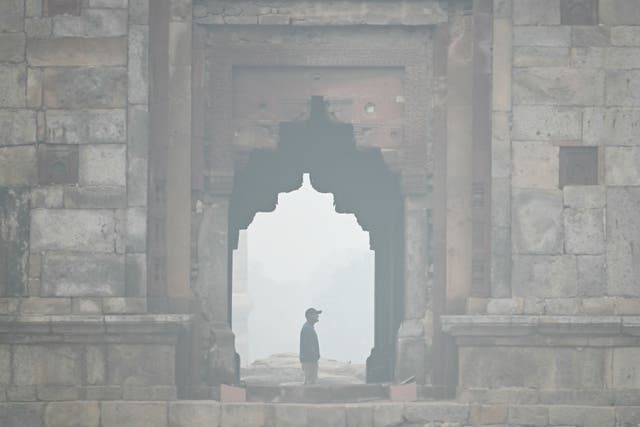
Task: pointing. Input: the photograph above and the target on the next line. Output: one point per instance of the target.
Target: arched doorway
(361, 184)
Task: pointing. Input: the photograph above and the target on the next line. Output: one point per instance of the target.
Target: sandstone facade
(511, 127)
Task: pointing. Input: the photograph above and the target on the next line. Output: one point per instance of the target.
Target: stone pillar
(212, 289)
(413, 352)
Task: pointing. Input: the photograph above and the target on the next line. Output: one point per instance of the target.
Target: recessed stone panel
(579, 12)
(578, 166)
(61, 7)
(536, 12)
(140, 364)
(537, 222)
(57, 164)
(14, 241)
(50, 365)
(72, 275)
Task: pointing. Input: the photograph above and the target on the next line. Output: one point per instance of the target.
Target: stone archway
(361, 184)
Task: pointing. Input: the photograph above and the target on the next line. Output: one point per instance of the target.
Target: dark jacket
(309, 347)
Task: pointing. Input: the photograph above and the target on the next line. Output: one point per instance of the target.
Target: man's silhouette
(309, 347)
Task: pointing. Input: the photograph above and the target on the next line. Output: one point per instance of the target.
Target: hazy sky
(305, 254)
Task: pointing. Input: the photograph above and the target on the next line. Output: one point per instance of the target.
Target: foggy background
(302, 255)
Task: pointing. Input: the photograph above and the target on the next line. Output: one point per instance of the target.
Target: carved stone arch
(361, 184)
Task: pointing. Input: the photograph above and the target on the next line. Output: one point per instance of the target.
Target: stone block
(327, 416)
(581, 415)
(555, 36)
(141, 365)
(137, 155)
(592, 275)
(590, 35)
(25, 393)
(492, 414)
(117, 305)
(57, 164)
(584, 196)
(9, 305)
(45, 306)
(14, 241)
(18, 166)
(287, 415)
(386, 414)
(625, 36)
(619, 12)
(95, 362)
(76, 51)
(537, 222)
(95, 197)
(33, 8)
(73, 230)
(623, 87)
(243, 415)
(612, 126)
(535, 165)
(5, 365)
(623, 241)
(358, 415)
(139, 64)
(536, 12)
(77, 88)
(72, 414)
(108, 4)
(622, 165)
(139, 12)
(508, 306)
(62, 7)
(558, 86)
(103, 165)
(12, 47)
(587, 57)
(92, 23)
(83, 275)
(194, 414)
(38, 28)
(136, 275)
(627, 306)
(599, 306)
(86, 306)
(431, 411)
(11, 16)
(622, 57)
(17, 127)
(628, 415)
(134, 414)
(544, 276)
(562, 306)
(21, 414)
(102, 392)
(626, 371)
(57, 393)
(13, 79)
(80, 127)
(584, 231)
(536, 56)
(136, 230)
(528, 415)
(538, 123)
(47, 365)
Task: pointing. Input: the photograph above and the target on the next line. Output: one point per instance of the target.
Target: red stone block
(232, 394)
(403, 392)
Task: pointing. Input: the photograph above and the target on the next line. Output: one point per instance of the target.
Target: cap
(311, 311)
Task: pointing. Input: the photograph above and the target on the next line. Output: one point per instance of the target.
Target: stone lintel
(500, 326)
(110, 328)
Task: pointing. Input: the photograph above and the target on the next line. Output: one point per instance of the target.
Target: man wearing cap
(309, 347)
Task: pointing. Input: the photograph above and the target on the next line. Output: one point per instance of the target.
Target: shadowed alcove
(361, 184)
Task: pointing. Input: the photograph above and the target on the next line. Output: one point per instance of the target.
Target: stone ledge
(67, 328)
(481, 325)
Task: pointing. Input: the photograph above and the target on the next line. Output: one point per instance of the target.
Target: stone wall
(73, 156)
(213, 414)
(566, 180)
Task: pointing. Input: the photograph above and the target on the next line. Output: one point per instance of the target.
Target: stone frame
(414, 168)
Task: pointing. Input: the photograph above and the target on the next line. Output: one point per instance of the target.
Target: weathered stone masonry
(512, 128)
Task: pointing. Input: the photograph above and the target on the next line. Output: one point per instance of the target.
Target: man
(309, 347)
